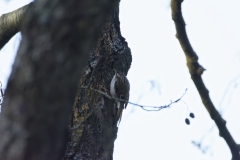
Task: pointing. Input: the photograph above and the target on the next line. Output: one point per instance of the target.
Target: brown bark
(196, 70)
(95, 137)
(57, 38)
(10, 24)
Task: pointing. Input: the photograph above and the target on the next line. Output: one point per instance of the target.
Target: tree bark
(57, 37)
(10, 24)
(94, 138)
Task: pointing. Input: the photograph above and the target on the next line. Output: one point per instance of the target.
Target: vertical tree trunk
(57, 38)
(95, 137)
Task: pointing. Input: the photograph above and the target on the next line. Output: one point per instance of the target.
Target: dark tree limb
(10, 24)
(196, 70)
(57, 37)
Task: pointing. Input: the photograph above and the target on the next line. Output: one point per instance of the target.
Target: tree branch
(196, 70)
(10, 24)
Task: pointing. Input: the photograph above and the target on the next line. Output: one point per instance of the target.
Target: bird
(119, 88)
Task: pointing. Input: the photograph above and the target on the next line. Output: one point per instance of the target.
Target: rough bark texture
(10, 24)
(196, 70)
(56, 42)
(94, 139)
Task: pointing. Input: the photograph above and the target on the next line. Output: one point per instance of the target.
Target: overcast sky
(159, 74)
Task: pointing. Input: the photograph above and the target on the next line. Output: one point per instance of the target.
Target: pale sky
(159, 74)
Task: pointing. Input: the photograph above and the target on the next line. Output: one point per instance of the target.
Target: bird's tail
(119, 113)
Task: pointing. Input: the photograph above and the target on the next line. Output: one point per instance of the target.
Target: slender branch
(10, 24)
(153, 108)
(196, 70)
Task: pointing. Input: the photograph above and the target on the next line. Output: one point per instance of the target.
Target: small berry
(192, 115)
(187, 121)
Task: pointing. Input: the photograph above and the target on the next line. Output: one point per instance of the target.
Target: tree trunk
(95, 136)
(57, 37)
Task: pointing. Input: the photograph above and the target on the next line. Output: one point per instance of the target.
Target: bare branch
(196, 70)
(10, 24)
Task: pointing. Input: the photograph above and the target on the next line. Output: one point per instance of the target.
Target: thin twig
(154, 108)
